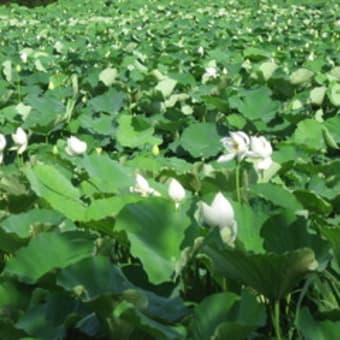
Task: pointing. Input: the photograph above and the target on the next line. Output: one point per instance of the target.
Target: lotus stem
(19, 90)
(237, 182)
(276, 320)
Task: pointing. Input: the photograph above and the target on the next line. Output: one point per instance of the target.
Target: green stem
(245, 182)
(276, 320)
(19, 90)
(237, 182)
(224, 284)
(20, 161)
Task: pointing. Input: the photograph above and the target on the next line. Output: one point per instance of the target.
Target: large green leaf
(106, 175)
(309, 134)
(276, 194)
(287, 232)
(232, 330)
(153, 328)
(224, 315)
(312, 329)
(333, 236)
(334, 94)
(166, 86)
(155, 229)
(108, 76)
(46, 110)
(273, 275)
(105, 207)
(48, 183)
(22, 224)
(333, 126)
(48, 251)
(249, 224)
(13, 296)
(300, 76)
(210, 313)
(9, 332)
(167, 309)
(256, 104)
(201, 140)
(35, 323)
(92, 278)
(134, 133)
(110, 102)
(313, 202)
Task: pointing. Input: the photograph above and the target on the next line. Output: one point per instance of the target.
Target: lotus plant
(176, 192)
(20, 140)
(220, 214)
(75, 146)
(3, 144)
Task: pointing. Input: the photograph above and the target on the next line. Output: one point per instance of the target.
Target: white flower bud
(75, 146)
(142, 187)
(261, 151)
(23, 57)
(20, 140)
(176, 191)
(210, 72)
(220, 214)
(142, 184)
(261, 147)
(200, 51)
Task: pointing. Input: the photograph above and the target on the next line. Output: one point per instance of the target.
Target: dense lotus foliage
(169, 170)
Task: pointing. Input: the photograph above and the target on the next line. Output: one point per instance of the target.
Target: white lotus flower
(20, 140)
(200, 51)
(75, 146)
(176, 191)
(261, 150)
(23, 57)
(237, 145)
(220, 214)
(142, 187)
(210, 72)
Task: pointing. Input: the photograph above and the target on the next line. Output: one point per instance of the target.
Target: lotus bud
(176, 191)
(75, 146)
(142, 187)
(155, 150)
(261, 151)
(55, 150)
(200, 51)
(23, 57)
(220, 214)
(20, 140)
(142, 183)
